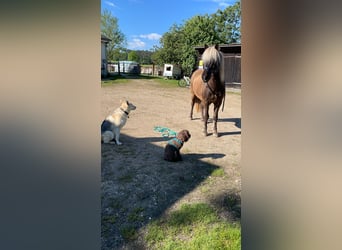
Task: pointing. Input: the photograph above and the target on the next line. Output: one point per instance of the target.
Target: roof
(234, 48)
(105, 39)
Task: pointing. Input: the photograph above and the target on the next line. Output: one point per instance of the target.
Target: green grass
(126, 178)
(233, 93)
(115, 204)
(113, 80)
(106, 222)
(134, 216)
(219, 172)
(129, 233)
(124, 78)
(109, 219)
(167, 82)
(192, 227)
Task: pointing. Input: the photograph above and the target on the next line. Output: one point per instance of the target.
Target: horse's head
(211, 58)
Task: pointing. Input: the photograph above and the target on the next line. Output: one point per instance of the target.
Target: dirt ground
(139, 186)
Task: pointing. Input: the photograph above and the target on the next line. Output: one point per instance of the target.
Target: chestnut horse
(208, 87)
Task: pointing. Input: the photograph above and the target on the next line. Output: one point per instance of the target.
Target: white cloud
(223, 3)
(136, 43)
(151, 36)
(110, 4)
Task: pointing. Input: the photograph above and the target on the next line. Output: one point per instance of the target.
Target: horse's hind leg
(204, 112)
(215, 118)
(193, 101)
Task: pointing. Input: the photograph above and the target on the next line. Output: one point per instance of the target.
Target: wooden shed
(232, 61)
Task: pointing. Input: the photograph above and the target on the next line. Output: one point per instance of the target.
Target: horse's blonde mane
(211, 57)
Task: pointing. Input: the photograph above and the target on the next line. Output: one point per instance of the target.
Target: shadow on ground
(138, 186)
(236, 121)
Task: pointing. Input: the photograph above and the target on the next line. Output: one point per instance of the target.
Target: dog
(172, 149)
(112, 125)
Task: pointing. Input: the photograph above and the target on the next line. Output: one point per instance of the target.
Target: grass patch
(106, 222)
(205, 189)
(234, 92)
(125, 78)
(219, 172)
(113, 80)
(192, 227)
(128, 233)
(114, 204)
(135, 216)
(108, 219)
(166, 82)
(125, 178)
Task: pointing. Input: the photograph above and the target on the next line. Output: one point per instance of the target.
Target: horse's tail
(224, 98)
(197, 106)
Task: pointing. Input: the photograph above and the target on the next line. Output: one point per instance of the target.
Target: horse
(207, 86)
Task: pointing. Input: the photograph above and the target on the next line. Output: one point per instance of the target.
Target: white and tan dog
(111, 126)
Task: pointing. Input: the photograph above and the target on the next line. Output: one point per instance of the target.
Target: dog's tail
(107, 136)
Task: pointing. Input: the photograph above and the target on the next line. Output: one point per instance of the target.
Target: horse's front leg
(215, 118)
(205, 117)
(192, 106)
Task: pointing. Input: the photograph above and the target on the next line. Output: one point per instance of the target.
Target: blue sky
(144, 21)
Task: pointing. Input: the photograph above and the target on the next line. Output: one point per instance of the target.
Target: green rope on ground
(166, 132)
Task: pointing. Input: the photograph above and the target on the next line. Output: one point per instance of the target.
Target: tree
(133, 56)
(177, 45)
(198, 30)
(110, 28)
(228, 23)
(144, 56)
(171, 47)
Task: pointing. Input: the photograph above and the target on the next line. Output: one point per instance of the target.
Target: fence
(124, 67)
(152, 70)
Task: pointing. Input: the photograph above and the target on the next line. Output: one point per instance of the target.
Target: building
(104, 41)
(232, 62)
(172, 71)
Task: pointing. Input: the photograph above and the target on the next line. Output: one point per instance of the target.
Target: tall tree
(228, 22)
(198, 30)
(144, 56)
(133, 56)
(170, 50)
(110, 28)
(177, 45)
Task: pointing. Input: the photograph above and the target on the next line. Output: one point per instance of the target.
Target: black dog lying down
(171, 152)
